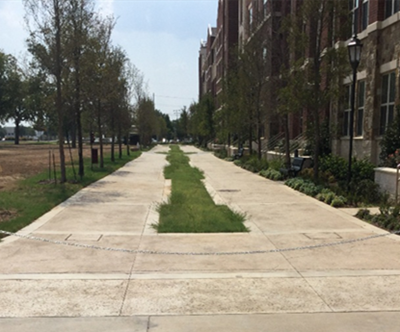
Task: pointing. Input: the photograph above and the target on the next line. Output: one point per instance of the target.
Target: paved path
(48, 287)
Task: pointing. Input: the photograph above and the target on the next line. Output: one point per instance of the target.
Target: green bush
(319, 192)
(388, 218)
(276, 164)
(272, 174)
(390, 142)
(335, 166)
(364, 191)
(253, 164)
(338, 201)
(222, 153)
(362, 170)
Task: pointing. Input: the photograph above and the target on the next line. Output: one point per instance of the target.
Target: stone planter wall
(386, 178)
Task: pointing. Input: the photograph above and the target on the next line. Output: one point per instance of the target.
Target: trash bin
(95, 156)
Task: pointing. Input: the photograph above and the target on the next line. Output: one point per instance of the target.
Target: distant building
(217, 51)
(10, 132)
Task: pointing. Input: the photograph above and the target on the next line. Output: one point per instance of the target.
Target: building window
(265, 7)
(387, 102)
(360, 108)
(353, 4)
(365, 15)
(391, 7)
(250, 17)
(347, 111)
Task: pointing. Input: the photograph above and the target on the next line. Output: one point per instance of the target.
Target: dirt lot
(20, 161)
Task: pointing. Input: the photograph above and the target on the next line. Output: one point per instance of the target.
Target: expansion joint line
(222, 253)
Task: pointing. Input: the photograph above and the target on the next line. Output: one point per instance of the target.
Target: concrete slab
(81, 324)
(221, 296)
(99, 218)
(209, 243)
(379, 253)
(68, 298)
(27, 256)
(301, 216)
(316, 322)
(369, 293)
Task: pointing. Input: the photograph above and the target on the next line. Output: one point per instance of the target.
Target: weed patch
(190, 208)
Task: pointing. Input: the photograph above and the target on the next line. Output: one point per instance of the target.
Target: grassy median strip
(34, 196)
(191, 209)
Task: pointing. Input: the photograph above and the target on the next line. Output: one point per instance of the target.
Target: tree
(201, 124)
(317, 63)
(19, 92)
(46, 44)
(3, 84)
(97, 88)
(145, 119)
(80, 21)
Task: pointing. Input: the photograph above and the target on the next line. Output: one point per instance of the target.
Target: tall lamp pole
(354, 47)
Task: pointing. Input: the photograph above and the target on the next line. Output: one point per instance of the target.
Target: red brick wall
(376, 10)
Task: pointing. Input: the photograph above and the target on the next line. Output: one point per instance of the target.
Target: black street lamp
(354, 47)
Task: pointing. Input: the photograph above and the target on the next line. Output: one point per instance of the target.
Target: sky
(161, 38)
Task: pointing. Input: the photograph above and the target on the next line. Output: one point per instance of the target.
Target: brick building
(377, 24)
(217, 51)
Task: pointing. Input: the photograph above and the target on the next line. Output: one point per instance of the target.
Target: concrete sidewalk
(349, 287)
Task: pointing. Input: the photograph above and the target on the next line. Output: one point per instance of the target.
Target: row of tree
(76, 81)
(285, 69)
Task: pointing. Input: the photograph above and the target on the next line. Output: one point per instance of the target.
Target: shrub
(391, 141)
(338, 201)
(335, 166)
(276, 164)
(221, 153)
(329, 198)
(272, 174)
(364, 191)
(362, 170)
(255, 165)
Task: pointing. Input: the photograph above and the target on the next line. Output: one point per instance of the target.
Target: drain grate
(228, 190)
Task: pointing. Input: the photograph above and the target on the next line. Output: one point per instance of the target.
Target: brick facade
(221, 40)
(378, 29)
(380, 56)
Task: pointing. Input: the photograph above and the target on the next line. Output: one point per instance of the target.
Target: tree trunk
(73, 135)
(113, 147)
(119, 143)
(250, 140)
(287, 140)
(16, 134)
(100, 134)
(59, 105)
(259, 143)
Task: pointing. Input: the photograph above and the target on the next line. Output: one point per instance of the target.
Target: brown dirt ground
(24, 160)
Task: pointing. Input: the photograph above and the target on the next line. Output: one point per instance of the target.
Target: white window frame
(354, 10)
(394, 7)
(365, 7)
(360, 108)
(347, 111)
(387, 101)
(251, 18)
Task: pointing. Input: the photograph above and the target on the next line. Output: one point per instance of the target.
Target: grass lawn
(191, 209)
(35, 196)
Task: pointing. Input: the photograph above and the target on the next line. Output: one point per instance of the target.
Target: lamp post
(354, 47)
